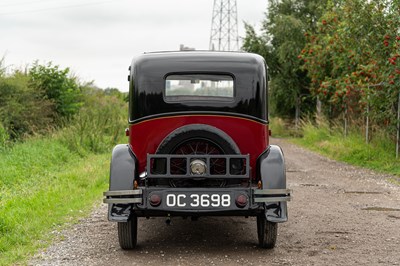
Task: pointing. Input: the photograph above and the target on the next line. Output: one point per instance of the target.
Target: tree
(352, 59)
(58, 86)
(280, 43)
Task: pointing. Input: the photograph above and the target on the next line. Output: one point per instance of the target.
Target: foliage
(44, 97)
(23, 109)
(58, 86)
(116, 93)
(99, 124)
(280, 43)
(353, 59)
(342, 55)
(51, 180)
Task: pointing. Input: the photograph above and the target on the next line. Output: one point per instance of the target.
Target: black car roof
(201, 56)
(149, 70)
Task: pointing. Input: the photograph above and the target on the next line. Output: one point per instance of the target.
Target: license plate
(201, 200)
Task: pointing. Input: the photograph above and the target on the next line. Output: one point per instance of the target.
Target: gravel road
(339, 215)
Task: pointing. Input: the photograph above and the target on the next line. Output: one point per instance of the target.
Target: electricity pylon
(224, 26)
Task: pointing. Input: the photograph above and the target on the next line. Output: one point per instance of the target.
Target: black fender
(272, 173)
(123, 168)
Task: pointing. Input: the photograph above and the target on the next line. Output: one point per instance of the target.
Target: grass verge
(378, 155)
(43, 186)
(280, 128)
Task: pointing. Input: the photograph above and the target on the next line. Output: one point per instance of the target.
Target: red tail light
(241, 201)
(155, 200)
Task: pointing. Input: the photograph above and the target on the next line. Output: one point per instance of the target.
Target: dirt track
(339, 215)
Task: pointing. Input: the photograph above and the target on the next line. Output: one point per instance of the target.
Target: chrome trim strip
(274, 199)
(123, 192)
(271, 191)
(123, 200)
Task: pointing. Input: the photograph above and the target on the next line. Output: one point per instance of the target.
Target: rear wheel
(127, 233)
(267, 232)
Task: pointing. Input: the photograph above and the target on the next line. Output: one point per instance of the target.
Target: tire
(127, 233)
(267, 232)
(199, 138)
(198, 131)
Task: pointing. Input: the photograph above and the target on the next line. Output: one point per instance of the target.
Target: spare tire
(184, 134)
(197, 139)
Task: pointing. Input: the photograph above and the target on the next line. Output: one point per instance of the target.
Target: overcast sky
(97, 39)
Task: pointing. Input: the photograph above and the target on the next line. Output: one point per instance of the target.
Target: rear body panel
(251, 136)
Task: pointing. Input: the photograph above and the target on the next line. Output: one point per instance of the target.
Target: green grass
(378, 155)
(43, 186)
(281, 128)
(395, 181)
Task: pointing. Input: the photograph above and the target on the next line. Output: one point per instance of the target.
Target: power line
(55, 8)
(24, 3)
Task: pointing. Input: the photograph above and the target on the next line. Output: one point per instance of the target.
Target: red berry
(324, 22)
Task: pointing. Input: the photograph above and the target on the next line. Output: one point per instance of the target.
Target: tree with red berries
(353, 59)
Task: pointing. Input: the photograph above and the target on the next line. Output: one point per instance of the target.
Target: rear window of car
(197, 87)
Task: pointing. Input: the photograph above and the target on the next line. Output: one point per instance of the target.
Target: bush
(46, 97)
(99, 125)
(58, 86)
(23, 110)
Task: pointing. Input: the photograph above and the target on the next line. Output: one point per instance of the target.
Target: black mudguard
(272, 173)
(123, 170)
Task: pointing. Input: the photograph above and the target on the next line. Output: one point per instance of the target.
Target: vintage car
(198, 144)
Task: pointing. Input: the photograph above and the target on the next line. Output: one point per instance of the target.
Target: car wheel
(267, 232)
(127, 233)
